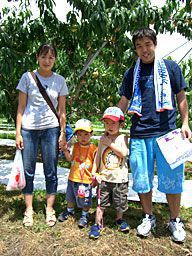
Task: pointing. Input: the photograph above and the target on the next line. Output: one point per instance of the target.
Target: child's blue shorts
(143, 154)
(72, 194)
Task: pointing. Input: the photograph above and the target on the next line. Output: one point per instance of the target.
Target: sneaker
(65, 215)
(123, 226)
(82, 222)
(148, 224)
(95, 231)
(176, 227)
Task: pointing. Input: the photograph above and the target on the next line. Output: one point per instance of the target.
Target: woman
(37, 125)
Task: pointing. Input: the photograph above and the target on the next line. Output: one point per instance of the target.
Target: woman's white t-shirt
(37, 114)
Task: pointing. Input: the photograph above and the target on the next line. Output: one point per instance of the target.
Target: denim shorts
(114, 193)
(72, 194)
(47, 140)
(143, 154)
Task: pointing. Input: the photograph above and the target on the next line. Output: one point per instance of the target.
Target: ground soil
(67, 239)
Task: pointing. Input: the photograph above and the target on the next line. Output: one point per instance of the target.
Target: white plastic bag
(17, 176)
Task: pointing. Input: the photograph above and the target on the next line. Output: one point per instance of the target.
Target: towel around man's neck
(162, 88)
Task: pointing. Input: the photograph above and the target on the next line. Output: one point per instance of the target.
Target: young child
(79, 188)
(112, 172)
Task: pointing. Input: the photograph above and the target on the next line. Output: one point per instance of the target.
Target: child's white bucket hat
(83, 124)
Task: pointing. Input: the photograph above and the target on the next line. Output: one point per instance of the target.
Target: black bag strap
(44, 94)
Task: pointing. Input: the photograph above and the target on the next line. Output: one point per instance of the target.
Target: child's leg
(103, 193)
(99, 216)
(71, 196)
(84, 203)
(120, 193)
(119, 215)
(70, 207)
(85, 212)
(96, 229)
(83, 221)
(70, 202)
(122, 225)
(67, 213)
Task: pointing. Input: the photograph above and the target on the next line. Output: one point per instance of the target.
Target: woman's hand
(19, 142)
(62, 142)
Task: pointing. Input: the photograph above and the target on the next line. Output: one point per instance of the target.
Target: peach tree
(94, 46)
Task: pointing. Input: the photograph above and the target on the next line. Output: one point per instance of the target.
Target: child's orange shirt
(82, 163)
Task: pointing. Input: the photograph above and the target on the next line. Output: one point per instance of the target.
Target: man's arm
(123, 104)
(183, 109)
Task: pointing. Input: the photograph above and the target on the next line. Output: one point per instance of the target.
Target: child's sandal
(50, 218)
(28, 218)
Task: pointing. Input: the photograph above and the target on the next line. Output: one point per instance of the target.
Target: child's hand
(94, 182)
(62, 142)
(105, 140)
(98, 178)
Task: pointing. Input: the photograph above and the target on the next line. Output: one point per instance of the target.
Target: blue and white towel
(162, 88)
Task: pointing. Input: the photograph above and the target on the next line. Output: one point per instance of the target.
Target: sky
(166, 43)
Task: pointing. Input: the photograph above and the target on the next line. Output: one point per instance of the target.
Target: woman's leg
(28, 201)
(29, 154)
(49, 150)
(50, 201)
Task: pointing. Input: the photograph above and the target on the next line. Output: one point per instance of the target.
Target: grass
(67, 239)
(10, 135)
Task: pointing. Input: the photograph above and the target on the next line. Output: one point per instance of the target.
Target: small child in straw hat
(79, 189)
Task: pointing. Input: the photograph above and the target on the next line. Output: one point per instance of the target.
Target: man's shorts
(115, 193)
(72, 194)
(143, 154)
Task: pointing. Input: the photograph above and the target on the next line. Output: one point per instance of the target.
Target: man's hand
(186, 131)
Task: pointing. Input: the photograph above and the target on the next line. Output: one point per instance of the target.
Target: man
(153, 86)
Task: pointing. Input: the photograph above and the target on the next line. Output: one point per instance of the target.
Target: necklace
(82, 165)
